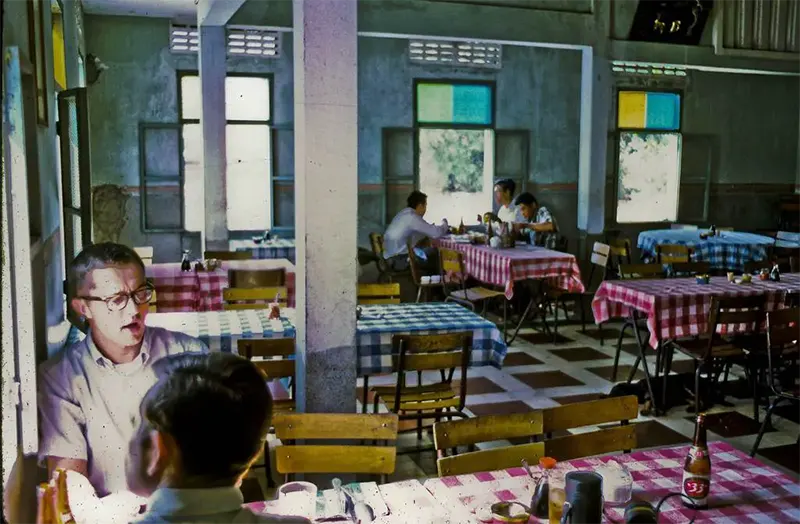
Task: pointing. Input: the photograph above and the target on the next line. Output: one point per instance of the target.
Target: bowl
(512, 512)
(258, 240)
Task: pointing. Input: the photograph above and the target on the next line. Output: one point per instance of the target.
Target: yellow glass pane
(632, 109)
(59, 57)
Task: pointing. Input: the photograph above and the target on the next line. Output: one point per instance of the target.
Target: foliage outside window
(649, 156)
(455, 148)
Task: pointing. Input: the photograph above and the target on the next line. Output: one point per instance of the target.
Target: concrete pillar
(596, 90)
(212, 57)
(326, 200)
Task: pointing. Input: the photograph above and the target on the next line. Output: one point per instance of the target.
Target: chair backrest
(328, 458)
(621, 249)
(690, 268)
(671, 253)
(153, 308)
(747, 311)
(379, 293)
(639, 271)
(376, 243)
(246, 278)
(783, 332)
(146, 254)
(228, 255)
(266, 350)
(252, 298)
(452, 268)
(600, 253)
(683, 226)
(468, 432)
(413, 264)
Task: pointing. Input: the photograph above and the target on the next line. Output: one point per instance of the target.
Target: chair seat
(433, 280)
(696, 348)
(429, 404)
(476, 294)
(414, 393)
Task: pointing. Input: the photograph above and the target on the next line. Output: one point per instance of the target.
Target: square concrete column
(213, 52)
(596, 89)
(326, 202)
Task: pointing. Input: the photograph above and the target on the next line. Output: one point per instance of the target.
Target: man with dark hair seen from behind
(409, 226)
(89, 393)
(201, 427)
(508, 212)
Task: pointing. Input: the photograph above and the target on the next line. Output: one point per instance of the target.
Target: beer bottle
(697, 469)
(45, 510)
(63, 511)
(461, 228)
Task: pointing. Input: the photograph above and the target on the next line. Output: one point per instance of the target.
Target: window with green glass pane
(454, 104)
(649, 110)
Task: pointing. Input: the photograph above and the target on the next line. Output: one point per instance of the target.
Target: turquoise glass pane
(663, 111)
(472, 104)
(434, 103)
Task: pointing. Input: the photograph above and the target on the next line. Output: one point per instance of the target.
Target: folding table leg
(644, 367)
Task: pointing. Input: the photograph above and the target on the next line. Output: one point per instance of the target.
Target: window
(455, 148)
(649, 156)
(248, 139)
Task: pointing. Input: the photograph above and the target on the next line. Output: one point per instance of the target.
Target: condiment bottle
(696, 482)
(461, 227)
(275, 308)
(63, 511)
(775, 274)
(186, 265)
(541, 492)
(45, 510)
(489, 232)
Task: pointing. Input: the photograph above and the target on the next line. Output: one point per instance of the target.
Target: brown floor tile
(738, 388)
(425, 460)
(682, 367)
(630, 349)
(547, 379)
(500, 408)
(572, 399)
(787, 456)
(520, 358)
(730, 424)
(652, 433)
(622, 372)
(544, 338)
(579, 354)
(481, 386)
(610, 335)
(788, 411)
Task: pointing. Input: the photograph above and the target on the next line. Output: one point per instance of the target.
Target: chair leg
(365, 395)
(419, 293)
(667, 366)
(754, 374)
(764, 424)
(619, 350)
(697, 371)
(555, 322)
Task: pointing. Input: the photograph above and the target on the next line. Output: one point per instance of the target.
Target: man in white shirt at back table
(89, 394)
(410, 226)
(504, 196)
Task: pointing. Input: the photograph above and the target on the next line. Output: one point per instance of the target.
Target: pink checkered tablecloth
(177, 290)
(503, 267)
(679, 307)
(743, 489)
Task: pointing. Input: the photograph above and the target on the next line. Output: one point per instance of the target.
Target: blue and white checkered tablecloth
(220, 330)
(280, 248)
(729, 250)
(379, 323)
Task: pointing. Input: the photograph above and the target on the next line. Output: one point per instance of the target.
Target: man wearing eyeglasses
(89, 394)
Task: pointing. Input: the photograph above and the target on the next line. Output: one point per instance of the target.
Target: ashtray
(702, 279)
(512, 512)
(258, 240)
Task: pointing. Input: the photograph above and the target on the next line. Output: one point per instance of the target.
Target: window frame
(270, 123)
(416, 125)
(616, 134)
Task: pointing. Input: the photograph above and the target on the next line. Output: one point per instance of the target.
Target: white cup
(298, 498)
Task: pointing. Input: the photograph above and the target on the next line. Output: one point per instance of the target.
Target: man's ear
(159, 453)
(79, 307)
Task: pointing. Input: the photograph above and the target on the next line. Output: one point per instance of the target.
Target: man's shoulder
(66, 362)
(174, 341)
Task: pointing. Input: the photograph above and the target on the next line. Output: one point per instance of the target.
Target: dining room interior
(479, 232)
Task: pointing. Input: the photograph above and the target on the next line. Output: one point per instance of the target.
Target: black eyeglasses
(118, 302)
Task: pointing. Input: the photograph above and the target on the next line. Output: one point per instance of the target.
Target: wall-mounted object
(36, 55)
(670, 21)
(94, 67)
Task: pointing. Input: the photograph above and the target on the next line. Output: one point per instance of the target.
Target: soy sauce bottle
(186, 264)
(541, 493)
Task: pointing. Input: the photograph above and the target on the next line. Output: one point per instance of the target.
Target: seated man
(89, 394)
(409, 226)
(202, 426)
(539, 223)
(509, 212)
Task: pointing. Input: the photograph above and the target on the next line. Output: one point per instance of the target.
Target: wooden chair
(420, 353)
(146, 254)
(620, 252)
(634, 272)
(228, 255)
(672, 253)
(782, 344)
(248, 279)
(535, 426)
(599, 260)
(385, 271)
(685, 269)
(425, 283)
(153, 303)
(711, 351)
(378, 294)
(683, 226)
(331, 458)
(454, 272)
(253, 298)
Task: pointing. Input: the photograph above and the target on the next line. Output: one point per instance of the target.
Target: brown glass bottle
(45, 511)
(697, 469)
(63, 511)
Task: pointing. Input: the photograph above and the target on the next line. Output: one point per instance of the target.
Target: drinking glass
(557, 495)
(300, 497)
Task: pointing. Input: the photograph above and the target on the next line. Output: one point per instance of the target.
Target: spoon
(362, 512)
(527, 468)
(337, 486)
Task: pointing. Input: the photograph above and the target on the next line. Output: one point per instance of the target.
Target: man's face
(501, 196)
(528, 211)
(123, 328)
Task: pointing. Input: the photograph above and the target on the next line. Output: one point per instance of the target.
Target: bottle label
(696, 487)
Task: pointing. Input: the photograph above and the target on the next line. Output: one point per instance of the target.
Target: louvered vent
(469, 54)
(637, 68)
(253, 42)
(183, 39)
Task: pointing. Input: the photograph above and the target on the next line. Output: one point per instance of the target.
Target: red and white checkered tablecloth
(679, 307)
(177, 290)
(502, 267)
(743, 489)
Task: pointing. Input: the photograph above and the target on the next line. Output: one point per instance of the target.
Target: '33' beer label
(696, 488)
